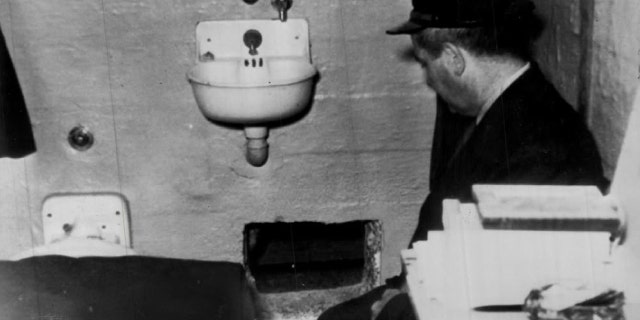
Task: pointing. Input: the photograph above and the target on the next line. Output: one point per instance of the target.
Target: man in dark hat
(499, 121)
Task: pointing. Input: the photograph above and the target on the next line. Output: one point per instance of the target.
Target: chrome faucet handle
(282, 6)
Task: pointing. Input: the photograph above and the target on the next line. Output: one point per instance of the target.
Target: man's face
(441, 78)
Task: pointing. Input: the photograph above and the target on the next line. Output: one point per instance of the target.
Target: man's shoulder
(532, 118)
(533, 102)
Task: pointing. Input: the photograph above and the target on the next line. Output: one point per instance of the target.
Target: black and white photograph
(319, 160)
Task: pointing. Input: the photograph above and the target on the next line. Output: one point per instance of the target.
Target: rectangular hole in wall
(295, 256)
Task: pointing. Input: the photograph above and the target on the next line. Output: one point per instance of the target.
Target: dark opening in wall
(299, 256)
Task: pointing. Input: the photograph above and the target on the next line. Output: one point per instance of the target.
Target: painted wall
(591, 54)
(558, 51)
(615, 70)
(118, 67)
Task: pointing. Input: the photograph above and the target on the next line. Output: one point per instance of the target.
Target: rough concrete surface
(118, 67)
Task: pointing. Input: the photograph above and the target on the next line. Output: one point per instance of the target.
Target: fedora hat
(461, 14)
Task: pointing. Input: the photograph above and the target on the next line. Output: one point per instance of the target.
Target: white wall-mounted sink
(229, 91)
(252, 73)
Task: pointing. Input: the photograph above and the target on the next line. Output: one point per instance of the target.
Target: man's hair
(512, 37)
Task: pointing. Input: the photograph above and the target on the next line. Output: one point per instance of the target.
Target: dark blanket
(16, 138)
(133, 287)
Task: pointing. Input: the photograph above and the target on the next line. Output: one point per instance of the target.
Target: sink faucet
(282, 6)
(252, 39)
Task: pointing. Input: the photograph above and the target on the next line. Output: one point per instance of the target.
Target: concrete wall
(118, 67)
(559, 51)
(615, 70)
(591, 52)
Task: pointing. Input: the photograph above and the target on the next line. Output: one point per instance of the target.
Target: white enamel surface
(223, 39)
(83, 225)
(234, 73)
(231, 85)
(102, 216)
(228, 91)
(77, 247)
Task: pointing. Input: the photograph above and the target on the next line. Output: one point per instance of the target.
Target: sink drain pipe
(257, 147)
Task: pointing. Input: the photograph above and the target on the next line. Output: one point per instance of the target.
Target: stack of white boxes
(476, 263)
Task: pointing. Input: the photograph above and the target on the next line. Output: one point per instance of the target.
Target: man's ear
(455, 60)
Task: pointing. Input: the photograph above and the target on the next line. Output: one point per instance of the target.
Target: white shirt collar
(501, 89)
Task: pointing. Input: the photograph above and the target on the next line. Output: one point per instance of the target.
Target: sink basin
(252, 73)
(252, 91)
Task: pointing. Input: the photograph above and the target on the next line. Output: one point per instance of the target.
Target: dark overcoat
(530, 135)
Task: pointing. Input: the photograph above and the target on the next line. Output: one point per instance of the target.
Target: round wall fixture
(80, 138)
(250, 1)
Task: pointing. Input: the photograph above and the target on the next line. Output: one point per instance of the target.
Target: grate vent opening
(296, 256)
